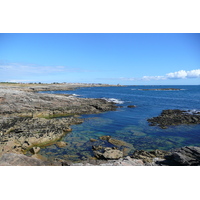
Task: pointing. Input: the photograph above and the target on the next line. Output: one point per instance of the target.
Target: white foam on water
(76, 95)
(117, 101)
(194, 111)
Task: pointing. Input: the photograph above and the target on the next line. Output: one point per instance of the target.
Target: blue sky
(114, 58)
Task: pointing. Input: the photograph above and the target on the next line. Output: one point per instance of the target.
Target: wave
(117, 101)
(194, 111)
(75, 95)
(159, 89)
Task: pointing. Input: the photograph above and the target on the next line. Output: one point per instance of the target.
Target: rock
(99, 147)
(38, 156)
(12, 159)
(131, 106)
(112, 153)
(174, 117)
(105, 137)
(35, 150)
(108, 153)
(93, 140)
(67, 129)
(119, 143)
(189, 155)
(148, 156)
(33, 132)
(61, 144)
(126, 161)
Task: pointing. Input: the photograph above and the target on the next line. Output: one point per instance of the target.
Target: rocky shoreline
(28, 121)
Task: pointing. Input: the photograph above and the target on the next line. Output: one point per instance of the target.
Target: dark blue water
(130, 124)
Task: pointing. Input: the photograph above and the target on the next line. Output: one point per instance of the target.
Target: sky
(112, 58)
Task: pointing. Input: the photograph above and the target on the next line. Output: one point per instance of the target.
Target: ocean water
(130, 124)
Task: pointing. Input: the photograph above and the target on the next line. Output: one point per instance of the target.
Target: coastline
(29, 121)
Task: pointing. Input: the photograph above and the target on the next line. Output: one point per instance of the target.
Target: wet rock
(35, 150)
(105, 137)
(174, 117)
(61, 144)
(34, 132)
(119, 143)
(93, 140)
(108, 153)
(99, 147)
(131, 106)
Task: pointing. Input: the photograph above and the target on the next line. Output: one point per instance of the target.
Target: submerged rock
(93, 140)
(61, 144)
(105, 137)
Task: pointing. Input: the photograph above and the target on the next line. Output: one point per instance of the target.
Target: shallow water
(130, 124)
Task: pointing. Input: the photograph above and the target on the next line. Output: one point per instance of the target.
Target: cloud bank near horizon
(182, 74)
(18, 72)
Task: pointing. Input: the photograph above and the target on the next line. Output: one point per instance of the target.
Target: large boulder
(13, 159)
(189, 155)
(112, 153)
(108, 153)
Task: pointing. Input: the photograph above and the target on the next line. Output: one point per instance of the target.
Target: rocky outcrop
(148, 156)
(30, 104)
(20, 135)
(185, 156)
(175, 117)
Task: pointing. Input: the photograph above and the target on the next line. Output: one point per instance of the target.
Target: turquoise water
(130, 124)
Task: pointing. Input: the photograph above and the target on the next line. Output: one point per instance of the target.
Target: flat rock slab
(12, 159)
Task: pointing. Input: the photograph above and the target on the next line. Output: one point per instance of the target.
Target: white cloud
(148, 78)
(19, 81)
(30, 69)
(127, 79)
(184, 74)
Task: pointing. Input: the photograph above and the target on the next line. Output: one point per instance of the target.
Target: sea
(130, 124)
